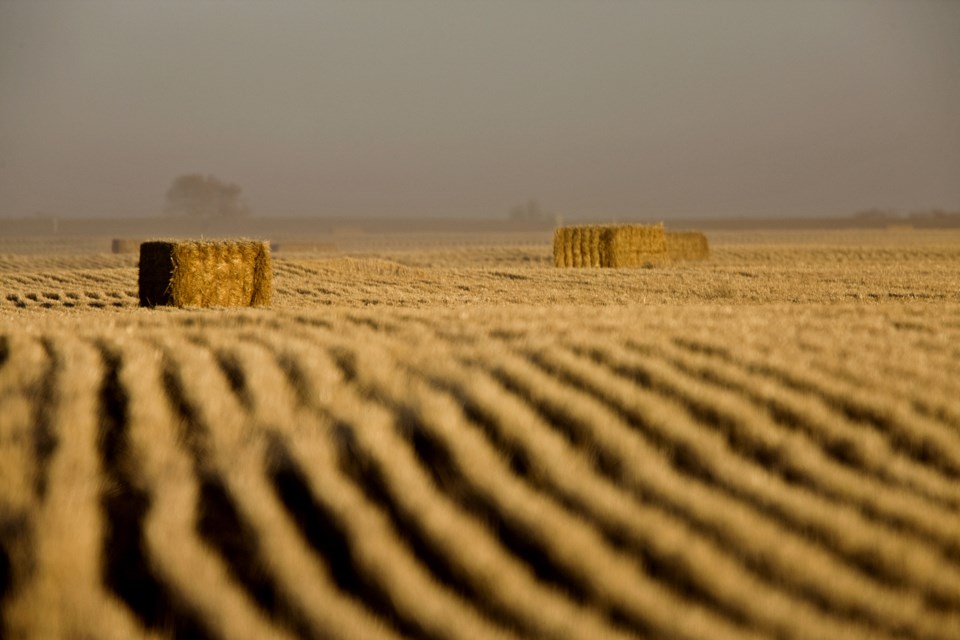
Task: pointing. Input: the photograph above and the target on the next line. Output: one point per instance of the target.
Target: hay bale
(125, 245)
(687, 245)
(614, 245)
(228, 273)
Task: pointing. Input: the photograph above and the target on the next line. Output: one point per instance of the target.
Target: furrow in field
(926, 392)
(926, 440)
(671, 551)
(459, 549)
(621, 421)
(880, 357)
(302, 578)
(237, 501)
(133, 410)
(845, 439)
(64, 596)
(581, 559)
(366, 553)
(915, 351)
(370, 571)
(885, 553)
(200, 592)
(927, 378)
(822, 485)
(24, 365)
(384, 576)
(44, 439)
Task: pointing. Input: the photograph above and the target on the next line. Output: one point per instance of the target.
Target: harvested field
(467, 442)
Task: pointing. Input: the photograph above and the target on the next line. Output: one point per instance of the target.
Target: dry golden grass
(464, 441)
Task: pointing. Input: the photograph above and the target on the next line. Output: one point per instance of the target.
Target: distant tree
(875, 213)
(529, 210)
(200, 196)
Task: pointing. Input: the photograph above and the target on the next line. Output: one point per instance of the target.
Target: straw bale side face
(235, 273)
(596, 234)
(634, 245)
(687, 245)
(559, 247)
(626, 245)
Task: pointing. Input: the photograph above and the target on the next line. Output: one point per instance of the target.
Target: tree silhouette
(200, 196)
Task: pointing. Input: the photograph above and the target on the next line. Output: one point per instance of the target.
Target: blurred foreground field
(451, 439)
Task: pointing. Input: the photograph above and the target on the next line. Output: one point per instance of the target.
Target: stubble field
(461, 441)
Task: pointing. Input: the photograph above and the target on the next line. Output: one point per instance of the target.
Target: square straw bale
(228, 273)
(687, 245)
(613, 245)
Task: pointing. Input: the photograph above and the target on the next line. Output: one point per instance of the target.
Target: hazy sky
(672, 108)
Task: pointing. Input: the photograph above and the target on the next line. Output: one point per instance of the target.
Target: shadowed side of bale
(687, 245)
(206, 274)
(156, 273)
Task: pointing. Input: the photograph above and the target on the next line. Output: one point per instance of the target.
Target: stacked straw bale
(687, 245)
(229, 273)
(125, 245)
(614, 245)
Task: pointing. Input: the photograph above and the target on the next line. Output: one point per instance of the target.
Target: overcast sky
(661, 109)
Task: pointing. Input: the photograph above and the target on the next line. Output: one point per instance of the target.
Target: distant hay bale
(687, 245)
(125, 245)
(227, 273)
(613, 245)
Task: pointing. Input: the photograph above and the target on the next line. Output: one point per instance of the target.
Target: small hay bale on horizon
(125, 245)
(610, 245)
(205, 273)
(687, 245)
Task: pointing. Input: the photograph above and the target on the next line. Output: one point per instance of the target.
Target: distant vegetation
(200, 196)
(531, 210)
(927, 217)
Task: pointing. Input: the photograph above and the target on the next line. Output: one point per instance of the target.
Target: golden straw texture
(230, 273)
(687, 245)
(615, 245)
